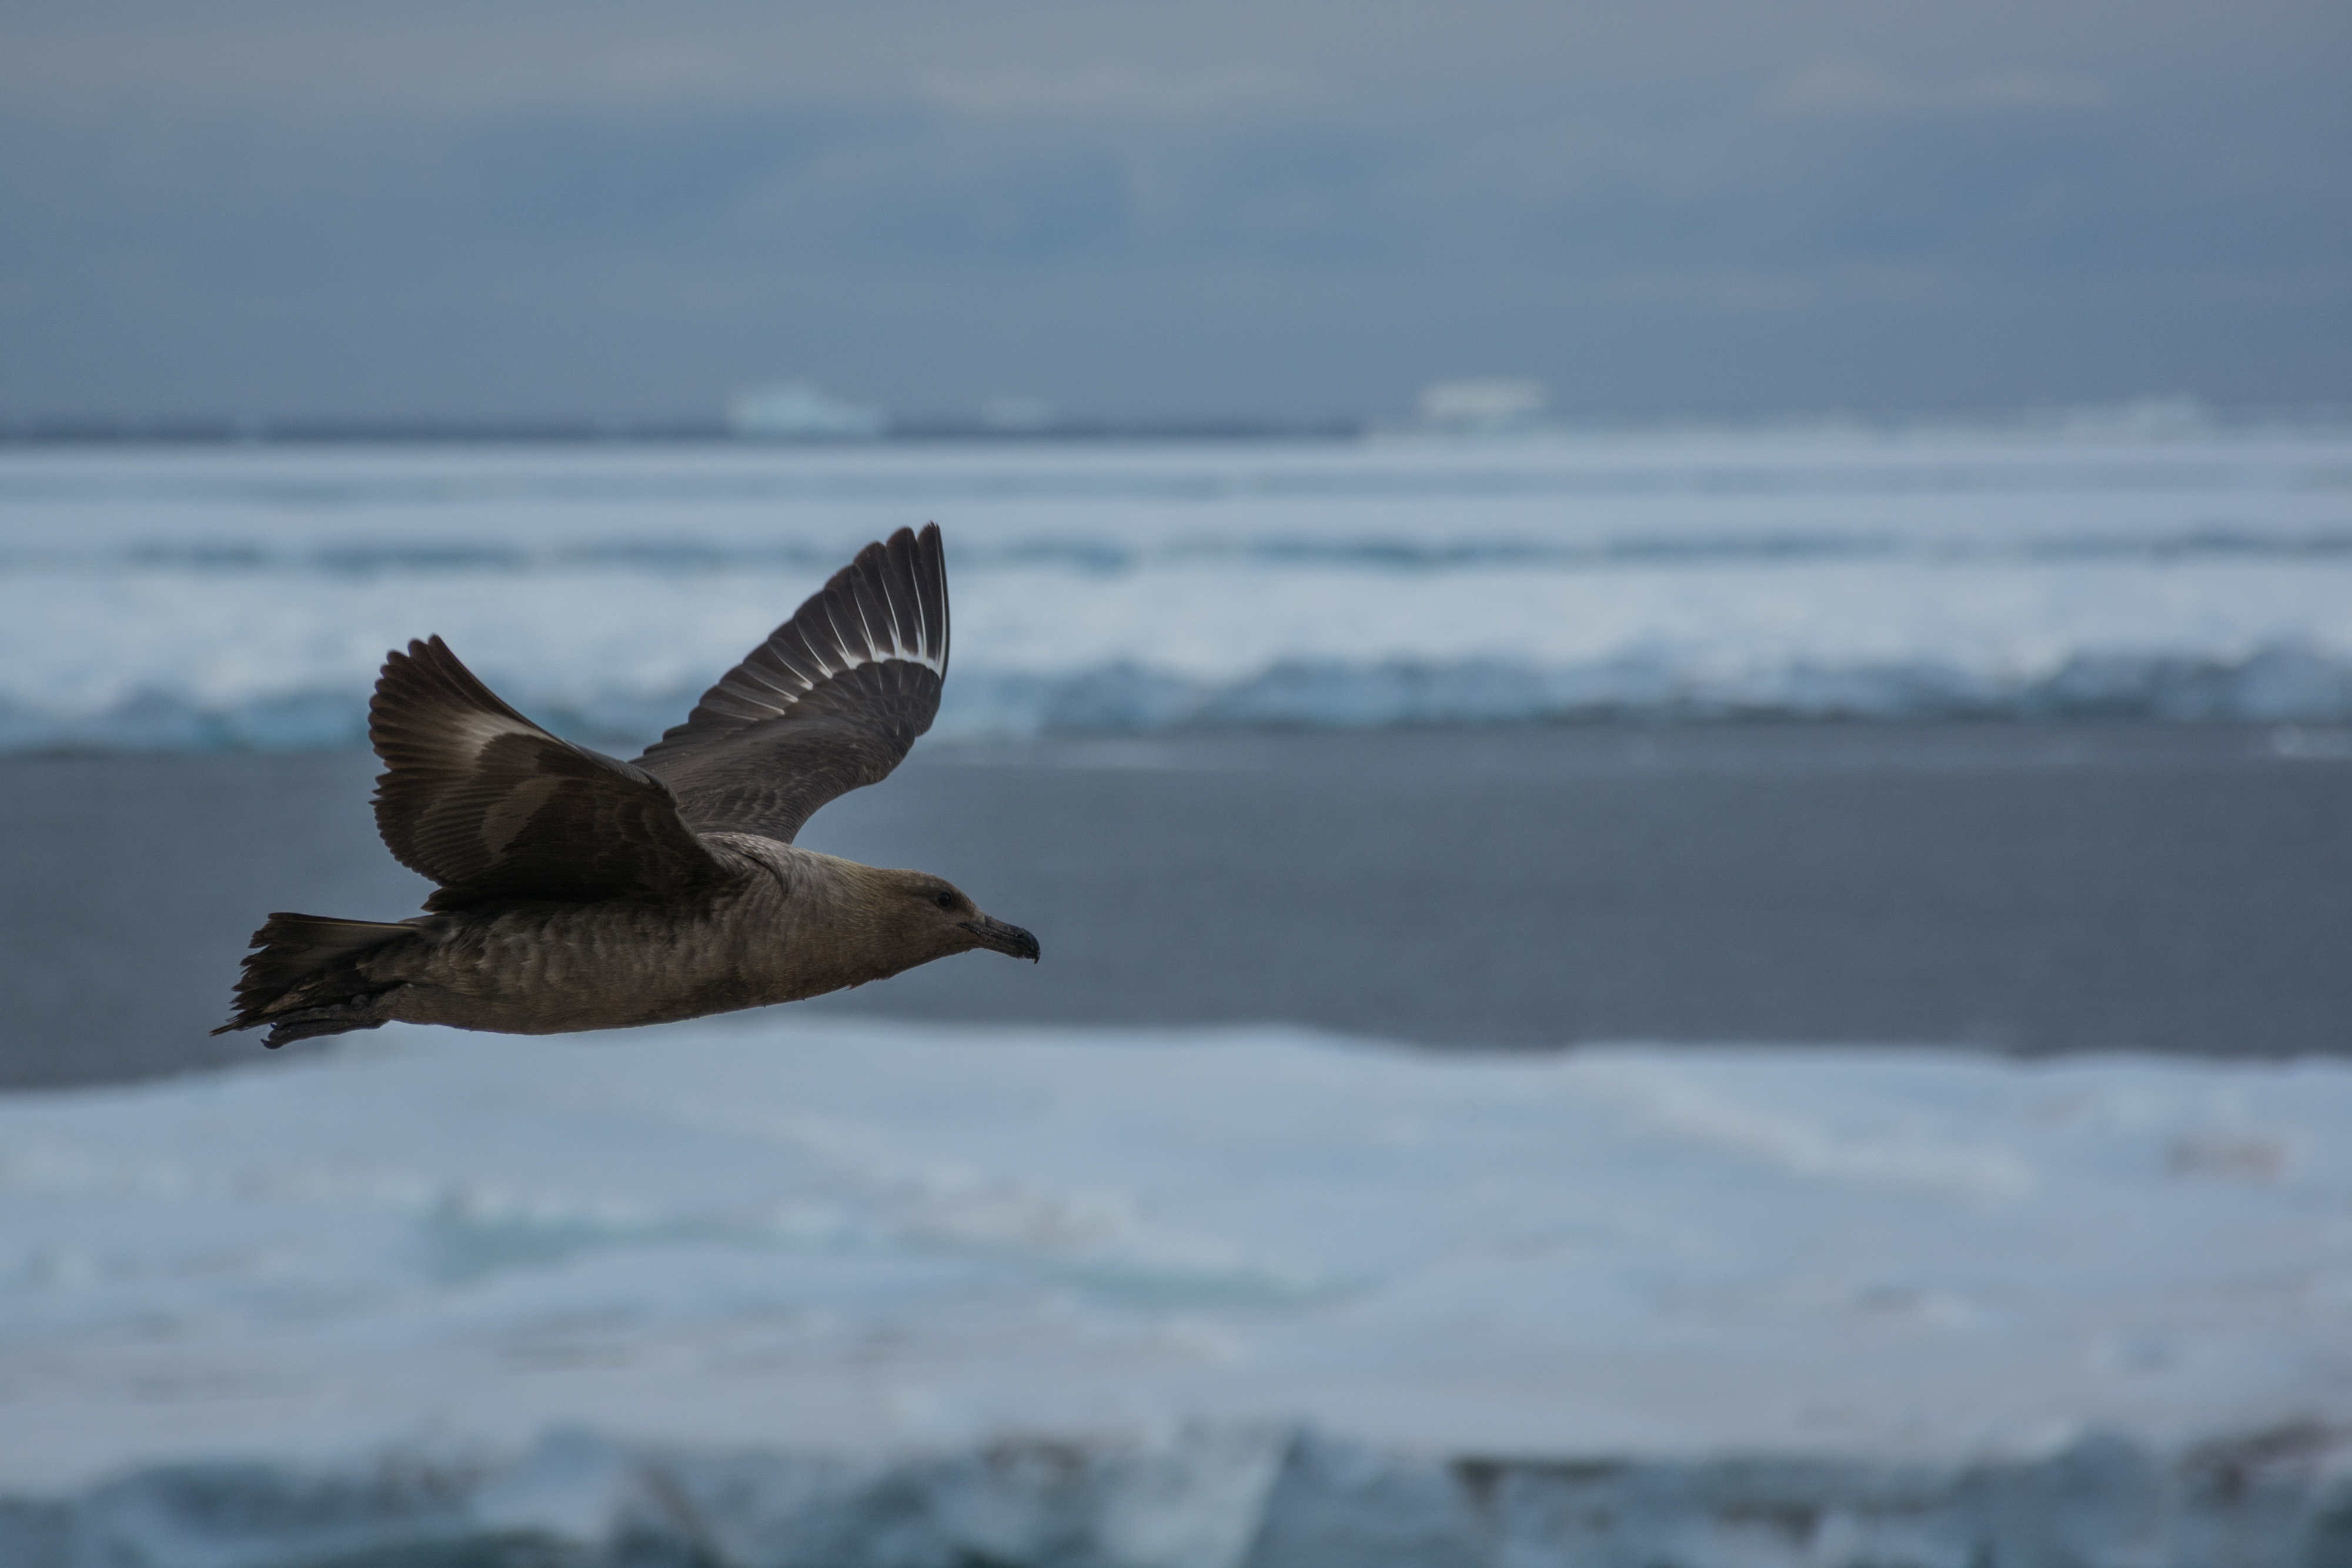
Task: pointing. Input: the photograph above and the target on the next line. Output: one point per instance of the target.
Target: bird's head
(933, 916)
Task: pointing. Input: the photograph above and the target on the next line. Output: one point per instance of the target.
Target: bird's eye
(945, 900)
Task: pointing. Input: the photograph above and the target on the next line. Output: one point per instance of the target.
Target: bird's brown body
(580, 892)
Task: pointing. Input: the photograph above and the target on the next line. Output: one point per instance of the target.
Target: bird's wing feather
(832, 701)
(488, 805)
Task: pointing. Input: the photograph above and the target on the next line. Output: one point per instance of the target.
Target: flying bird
(574, 891)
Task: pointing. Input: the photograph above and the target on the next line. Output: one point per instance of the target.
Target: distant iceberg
(1493, 406)
(801, 411)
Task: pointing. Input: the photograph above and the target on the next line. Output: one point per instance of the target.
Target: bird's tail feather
(301, 979)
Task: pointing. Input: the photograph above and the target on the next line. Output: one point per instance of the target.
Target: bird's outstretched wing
(488, 805)
(830, 701)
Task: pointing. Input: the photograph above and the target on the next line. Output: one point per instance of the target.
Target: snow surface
(893, 1241)
(228, 597)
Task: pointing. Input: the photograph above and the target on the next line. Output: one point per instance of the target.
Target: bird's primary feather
(831, 701)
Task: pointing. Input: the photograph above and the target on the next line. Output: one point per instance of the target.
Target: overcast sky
(1272, 207)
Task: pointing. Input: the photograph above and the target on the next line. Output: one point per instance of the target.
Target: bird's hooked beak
(998, 937)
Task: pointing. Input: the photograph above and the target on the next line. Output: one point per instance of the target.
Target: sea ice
(1194, 1297)
(232, 598)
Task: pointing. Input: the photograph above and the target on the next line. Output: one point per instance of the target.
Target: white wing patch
(888, 606)
(777, 697)
(779, 675)
(938, 664)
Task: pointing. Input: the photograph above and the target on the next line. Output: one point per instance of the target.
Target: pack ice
(244, 597)
(808, 1292)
